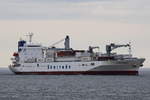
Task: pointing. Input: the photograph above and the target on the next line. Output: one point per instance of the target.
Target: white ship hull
(37, 59)
(71, 68)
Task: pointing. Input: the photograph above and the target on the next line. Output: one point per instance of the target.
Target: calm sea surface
(74, 87)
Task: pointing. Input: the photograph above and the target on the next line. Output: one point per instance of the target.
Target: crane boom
(57, 42)
(66, 43)
(114, 46)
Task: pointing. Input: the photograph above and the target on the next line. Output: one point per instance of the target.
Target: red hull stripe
(81, 72)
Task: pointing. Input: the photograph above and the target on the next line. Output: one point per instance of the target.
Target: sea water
(74, 87)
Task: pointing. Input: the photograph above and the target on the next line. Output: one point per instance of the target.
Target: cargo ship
(33, 58)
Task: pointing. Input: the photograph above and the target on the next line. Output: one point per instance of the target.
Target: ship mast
(30, 35)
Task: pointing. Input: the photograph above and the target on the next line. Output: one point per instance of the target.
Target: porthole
(62, 67)
(59, 67)
(69, 66)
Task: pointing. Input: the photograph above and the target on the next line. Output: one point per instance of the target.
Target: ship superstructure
(34, 58)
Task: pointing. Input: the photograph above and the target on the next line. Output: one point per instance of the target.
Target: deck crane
(91, 49)
(113, 46)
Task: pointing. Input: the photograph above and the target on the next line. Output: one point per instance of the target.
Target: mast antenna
(130, 51)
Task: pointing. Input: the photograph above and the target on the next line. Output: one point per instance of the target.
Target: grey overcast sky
(88, 22)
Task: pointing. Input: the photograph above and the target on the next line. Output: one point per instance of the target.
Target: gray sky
(88, 22)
